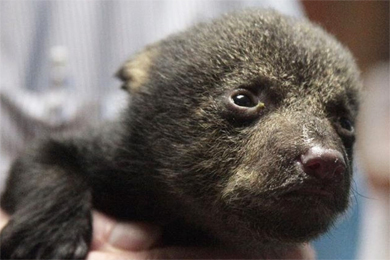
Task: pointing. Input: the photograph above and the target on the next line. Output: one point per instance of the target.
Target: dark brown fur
(184, 157)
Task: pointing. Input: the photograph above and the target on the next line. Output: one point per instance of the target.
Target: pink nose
(323, 164)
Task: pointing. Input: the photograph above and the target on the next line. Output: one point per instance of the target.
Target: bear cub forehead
(285, 55)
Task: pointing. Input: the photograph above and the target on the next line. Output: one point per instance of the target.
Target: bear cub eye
(244, 98)
(346, 124)
(243, 105)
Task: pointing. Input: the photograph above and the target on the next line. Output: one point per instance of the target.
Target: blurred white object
(55, 107)
(374, 126)
(374, 155)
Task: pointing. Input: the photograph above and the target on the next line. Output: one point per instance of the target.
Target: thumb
(110, 235)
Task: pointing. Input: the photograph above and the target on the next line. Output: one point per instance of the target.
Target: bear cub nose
(323, 164)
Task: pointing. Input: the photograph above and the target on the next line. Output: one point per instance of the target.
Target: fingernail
(134, 237)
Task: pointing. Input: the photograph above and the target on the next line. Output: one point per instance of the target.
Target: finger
(133, 236)
(167, 253)
(3, 219)
(192, 253)
(110, 235)
(97, 255)
(304, 252)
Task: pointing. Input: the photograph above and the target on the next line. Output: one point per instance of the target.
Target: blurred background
(363, 26)
(58, 58)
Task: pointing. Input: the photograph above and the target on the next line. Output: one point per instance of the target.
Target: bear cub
(239, 133)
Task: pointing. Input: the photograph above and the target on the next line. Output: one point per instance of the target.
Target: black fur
(183, 156)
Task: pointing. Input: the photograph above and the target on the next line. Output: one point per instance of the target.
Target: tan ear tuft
(135, 72)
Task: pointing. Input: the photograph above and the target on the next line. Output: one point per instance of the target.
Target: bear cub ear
(135, 72)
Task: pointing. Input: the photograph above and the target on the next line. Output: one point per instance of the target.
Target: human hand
(113, 240)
